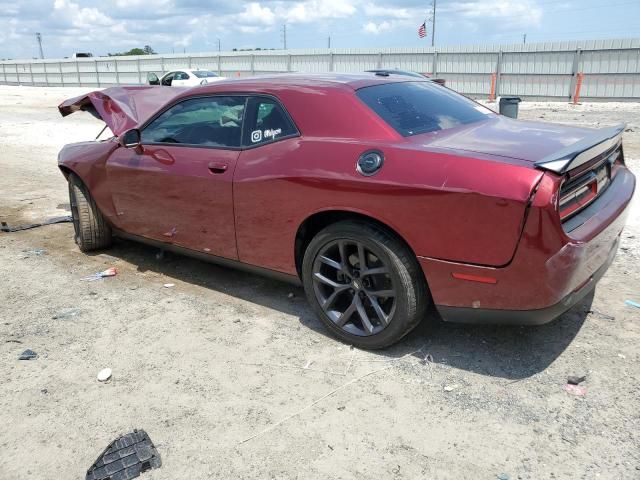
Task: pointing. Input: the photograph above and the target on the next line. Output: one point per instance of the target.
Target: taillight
(577, 196)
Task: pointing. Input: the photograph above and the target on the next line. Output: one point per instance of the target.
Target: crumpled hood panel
(121, 108)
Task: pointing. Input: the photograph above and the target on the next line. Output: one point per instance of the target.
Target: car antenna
(101, 131)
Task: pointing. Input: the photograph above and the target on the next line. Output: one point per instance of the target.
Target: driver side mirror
(131, 139)
(153, 79)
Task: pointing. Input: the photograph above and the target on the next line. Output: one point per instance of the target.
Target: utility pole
(433, 25)
(329, 41)
(284, 35)
(39, 38)
(218, 44)
(524, 39)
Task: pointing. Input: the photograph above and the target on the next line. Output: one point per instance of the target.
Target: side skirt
(205, 257)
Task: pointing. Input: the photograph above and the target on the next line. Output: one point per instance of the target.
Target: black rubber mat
(126, 457)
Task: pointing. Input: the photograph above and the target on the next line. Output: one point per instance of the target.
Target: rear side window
(204, 74)
(267, 122)
(206, 121)
(412, 108)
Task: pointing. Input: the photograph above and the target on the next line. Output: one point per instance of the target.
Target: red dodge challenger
(380, 193)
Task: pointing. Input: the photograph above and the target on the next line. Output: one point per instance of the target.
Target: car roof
(294, 81)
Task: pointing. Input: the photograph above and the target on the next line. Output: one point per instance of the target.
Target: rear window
(421, 107)
(204, 74)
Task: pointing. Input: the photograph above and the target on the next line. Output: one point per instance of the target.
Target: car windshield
(204, 74)
(412, 108)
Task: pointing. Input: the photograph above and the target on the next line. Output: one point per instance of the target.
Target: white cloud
(374, 10)
(254, 13)
(519, 12)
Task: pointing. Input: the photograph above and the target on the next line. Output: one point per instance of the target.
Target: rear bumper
(538, 316)
(554, 267)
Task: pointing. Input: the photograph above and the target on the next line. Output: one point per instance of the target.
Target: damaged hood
(121, 108)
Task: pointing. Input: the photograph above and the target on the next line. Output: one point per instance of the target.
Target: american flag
(422, 31)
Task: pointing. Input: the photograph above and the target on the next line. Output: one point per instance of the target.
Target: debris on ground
(38, 252)
(169, 285)
(109, 272)
(574, 380)
(104, 374)
(4, 227)
(577, 390)
(291, 295)
(125, 458)
(601, 315)
(503, 476)
(28, 354)
(450, 388)
(632, 303)
(68, 313)
(160, 255)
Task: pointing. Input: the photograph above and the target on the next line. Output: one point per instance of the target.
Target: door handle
(218, 167)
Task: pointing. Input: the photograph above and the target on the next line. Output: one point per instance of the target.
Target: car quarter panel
(443, 205)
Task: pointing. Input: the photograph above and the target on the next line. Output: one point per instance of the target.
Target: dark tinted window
(419, 107)
(268, 122)
(204, 74)
(211, 121)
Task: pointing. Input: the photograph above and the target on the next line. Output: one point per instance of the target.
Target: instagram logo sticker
(256, 136)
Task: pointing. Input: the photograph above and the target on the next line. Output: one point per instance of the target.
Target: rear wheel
(364, 283)
(92, 232)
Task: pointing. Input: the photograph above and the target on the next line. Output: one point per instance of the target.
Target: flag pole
(433, 24)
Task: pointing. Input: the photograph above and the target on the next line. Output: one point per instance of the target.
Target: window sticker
(256, 136)
(272, 133)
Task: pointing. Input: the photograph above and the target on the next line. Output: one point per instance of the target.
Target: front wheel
(364, 283)
(91, 230)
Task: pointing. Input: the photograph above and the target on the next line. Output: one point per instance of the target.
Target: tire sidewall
(399, 324)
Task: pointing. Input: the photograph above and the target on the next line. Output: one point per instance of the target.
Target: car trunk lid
(121, 108)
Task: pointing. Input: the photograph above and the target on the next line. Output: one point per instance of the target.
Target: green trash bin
(509, 106)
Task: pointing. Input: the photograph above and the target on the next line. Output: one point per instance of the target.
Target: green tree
(147, 50)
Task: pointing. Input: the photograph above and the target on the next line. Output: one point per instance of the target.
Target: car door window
(206, 121)
(167, 79)
(181, 76)
(267, 122)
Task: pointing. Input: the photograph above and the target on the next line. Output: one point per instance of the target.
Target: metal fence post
(161, 66)
(288, 62)
(331, 61)
(253, 68)
(97, 73)
(575, 68)
(498, 73)
(78, 72)
(46, 77)
(434, 68)
(189, 63)
(4, 73)
(139, 71)
(115, 66)
(379, 60)
(31, 74)
(219, 66)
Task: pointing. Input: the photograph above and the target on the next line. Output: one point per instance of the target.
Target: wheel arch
(321, 219)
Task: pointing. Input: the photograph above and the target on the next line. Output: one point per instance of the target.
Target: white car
(184, 78)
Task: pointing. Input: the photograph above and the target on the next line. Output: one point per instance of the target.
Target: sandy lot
(220, 357)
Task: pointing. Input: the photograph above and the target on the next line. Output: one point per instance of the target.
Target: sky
(104, 26)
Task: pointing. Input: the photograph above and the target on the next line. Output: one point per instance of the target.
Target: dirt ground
(219, 358)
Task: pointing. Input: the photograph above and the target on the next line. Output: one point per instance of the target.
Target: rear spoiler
(582, 151)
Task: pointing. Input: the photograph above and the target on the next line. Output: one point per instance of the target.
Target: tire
(92, 232)
(331, 276)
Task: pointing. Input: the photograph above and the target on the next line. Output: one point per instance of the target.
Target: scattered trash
(44, 391)
(169, 285)
(573, 380)
(632, 303)
(69, 312)
(622, 355)
(125, 458)
(427, 359)
(291, 295)
(104, 374)
(109, 272)
(306, 367)
(602, 315)
(38, 252)
(4, 227)
(160, 255)
(28, 355)
(13, 340)
(171, 233)
(575, 390)
(503, 476)
(450, 388)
